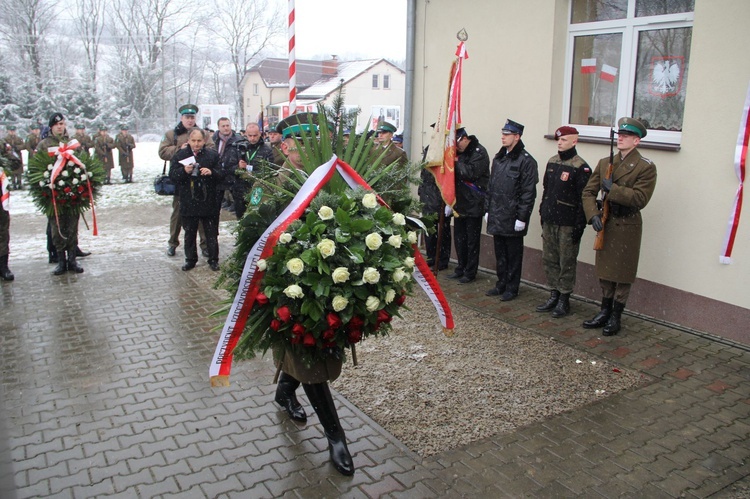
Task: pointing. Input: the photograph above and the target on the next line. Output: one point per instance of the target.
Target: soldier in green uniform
(563, 221)
(5, 273)
(82, 137)
(125, 143)
(12, 146)
(394, 154)
(628, 190)
(173, 141)
(32, 140)
(103, 145)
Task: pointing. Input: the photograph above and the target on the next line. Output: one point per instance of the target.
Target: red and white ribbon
(5, 196)
(292, 63)
(740, 162)
(249, 285)
(64, 153)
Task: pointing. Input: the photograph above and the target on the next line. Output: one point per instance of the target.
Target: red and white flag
(441, 158)
(5, 196)
(588, 66)
(740, 164)
(608, 73)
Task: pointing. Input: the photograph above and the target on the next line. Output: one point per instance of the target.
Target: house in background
(375, 86)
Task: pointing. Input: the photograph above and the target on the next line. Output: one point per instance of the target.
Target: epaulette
(647, 160)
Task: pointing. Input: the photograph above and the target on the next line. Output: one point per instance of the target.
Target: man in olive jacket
(511, 197)
(472, 175)
(627, 191)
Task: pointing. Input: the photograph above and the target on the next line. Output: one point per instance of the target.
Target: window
(255, 89)
(386, 81)
(629, 58)
(374, 81)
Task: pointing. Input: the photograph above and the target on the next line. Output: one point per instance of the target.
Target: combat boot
(72, 265)
(5, 273)
(613, 324)
(320, 397)
(602, 317)
(62, 264)
(554, 296)
(287, 399)
(563, 306)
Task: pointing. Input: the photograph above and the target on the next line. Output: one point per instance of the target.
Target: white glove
(520, 226)
(249, 167)
(448, 211)
(486, 218)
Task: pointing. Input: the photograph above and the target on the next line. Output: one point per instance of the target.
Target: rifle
(599, 238)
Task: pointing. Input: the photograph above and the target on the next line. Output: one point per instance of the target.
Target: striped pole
(292, 63)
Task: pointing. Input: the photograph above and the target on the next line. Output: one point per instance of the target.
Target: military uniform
(83, 139)
(632, 184)
(12, 145)
(5, 273)
(125, 143)
(32, 141)
(393, 153)
(103, 146)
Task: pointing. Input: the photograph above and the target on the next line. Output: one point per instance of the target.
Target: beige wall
(515, 70)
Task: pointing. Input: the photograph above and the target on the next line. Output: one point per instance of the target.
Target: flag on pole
(441, 156)
(608, 73)
(588, 66)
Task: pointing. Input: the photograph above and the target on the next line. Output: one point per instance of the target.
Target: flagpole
(292, 62)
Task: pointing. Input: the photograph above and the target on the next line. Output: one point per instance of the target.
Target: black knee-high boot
(322, 401)
(287, 399)
(62, 264)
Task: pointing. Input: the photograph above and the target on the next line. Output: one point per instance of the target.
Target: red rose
(261, 299)
(334, 321)
(356, 322)
(284, 313)
(329, 334)
(296, 340)
(400, 299)
(80, 189)
(66, 190)
(384, 316)
(275, 324)
(355, 335)
(329, 344)
(308, 340)
(298, 329)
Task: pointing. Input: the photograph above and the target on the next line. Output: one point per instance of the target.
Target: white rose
(371, 275)
(295, 266)
(46, 174)
(75, 181)
(340, 274)
(399, 219)
(294, 291)
(285, 238)
(49, 167)
(70, 163)
(262, 265)
(76, 171)
(372, 303)
(60, 183)
(327, 248)
(373, 240)
(42, 183)
(395, 241)
(399, 275)
(390, 295)
(65, 173)
(369, 200)
(89, 174)
(84, 177)
(409, 262)
(411, 237)
(325, 213)
(339, 303)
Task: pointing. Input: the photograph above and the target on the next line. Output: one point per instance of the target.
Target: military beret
(11, 127)
(80, 126)
(189, 109)
(294, 125)
(386, 127)
(631, 126)
(460, 133)
(512, 127)
(34, 126)
(55, 118)
(124, 127)
(102, 127)
(565, 130)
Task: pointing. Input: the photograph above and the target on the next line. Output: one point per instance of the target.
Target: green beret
(34, 126)
(124, 127)
(386, 127)
(11, 127)
(293, 125)
(102, 127)
(79, 126)
(188, 109)
(631, 125)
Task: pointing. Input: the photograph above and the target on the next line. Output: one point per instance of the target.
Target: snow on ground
(129, 216)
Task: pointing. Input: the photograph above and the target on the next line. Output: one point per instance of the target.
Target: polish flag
(608, 73)
(588, 66)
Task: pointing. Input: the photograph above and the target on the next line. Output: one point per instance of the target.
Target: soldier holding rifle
(125, 143)
(624, 183)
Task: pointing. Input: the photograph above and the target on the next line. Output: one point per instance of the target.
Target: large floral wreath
(74, 186)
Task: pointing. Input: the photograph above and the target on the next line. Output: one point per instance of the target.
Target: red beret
(565, 130)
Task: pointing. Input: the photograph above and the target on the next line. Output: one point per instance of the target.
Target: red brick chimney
(331, 66)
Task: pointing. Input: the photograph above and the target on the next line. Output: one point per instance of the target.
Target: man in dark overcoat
(628, 190)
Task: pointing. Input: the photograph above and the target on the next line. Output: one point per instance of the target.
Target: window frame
(629, 27)
(386, 82)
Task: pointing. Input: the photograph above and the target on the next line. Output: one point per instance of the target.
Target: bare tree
(90, 26)
(245, 30)
(24, 25)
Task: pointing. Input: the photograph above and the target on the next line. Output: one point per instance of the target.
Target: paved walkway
(105, 393)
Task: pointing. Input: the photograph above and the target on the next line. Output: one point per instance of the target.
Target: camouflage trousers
(559, 257)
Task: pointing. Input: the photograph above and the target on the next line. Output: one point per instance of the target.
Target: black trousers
(508, 260)
(431, 243)
(190, 224)
(468, 238)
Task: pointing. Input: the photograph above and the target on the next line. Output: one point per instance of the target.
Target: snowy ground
(123, 223)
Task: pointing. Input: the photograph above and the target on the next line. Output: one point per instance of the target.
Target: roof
(347, 71)
(275, 72)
